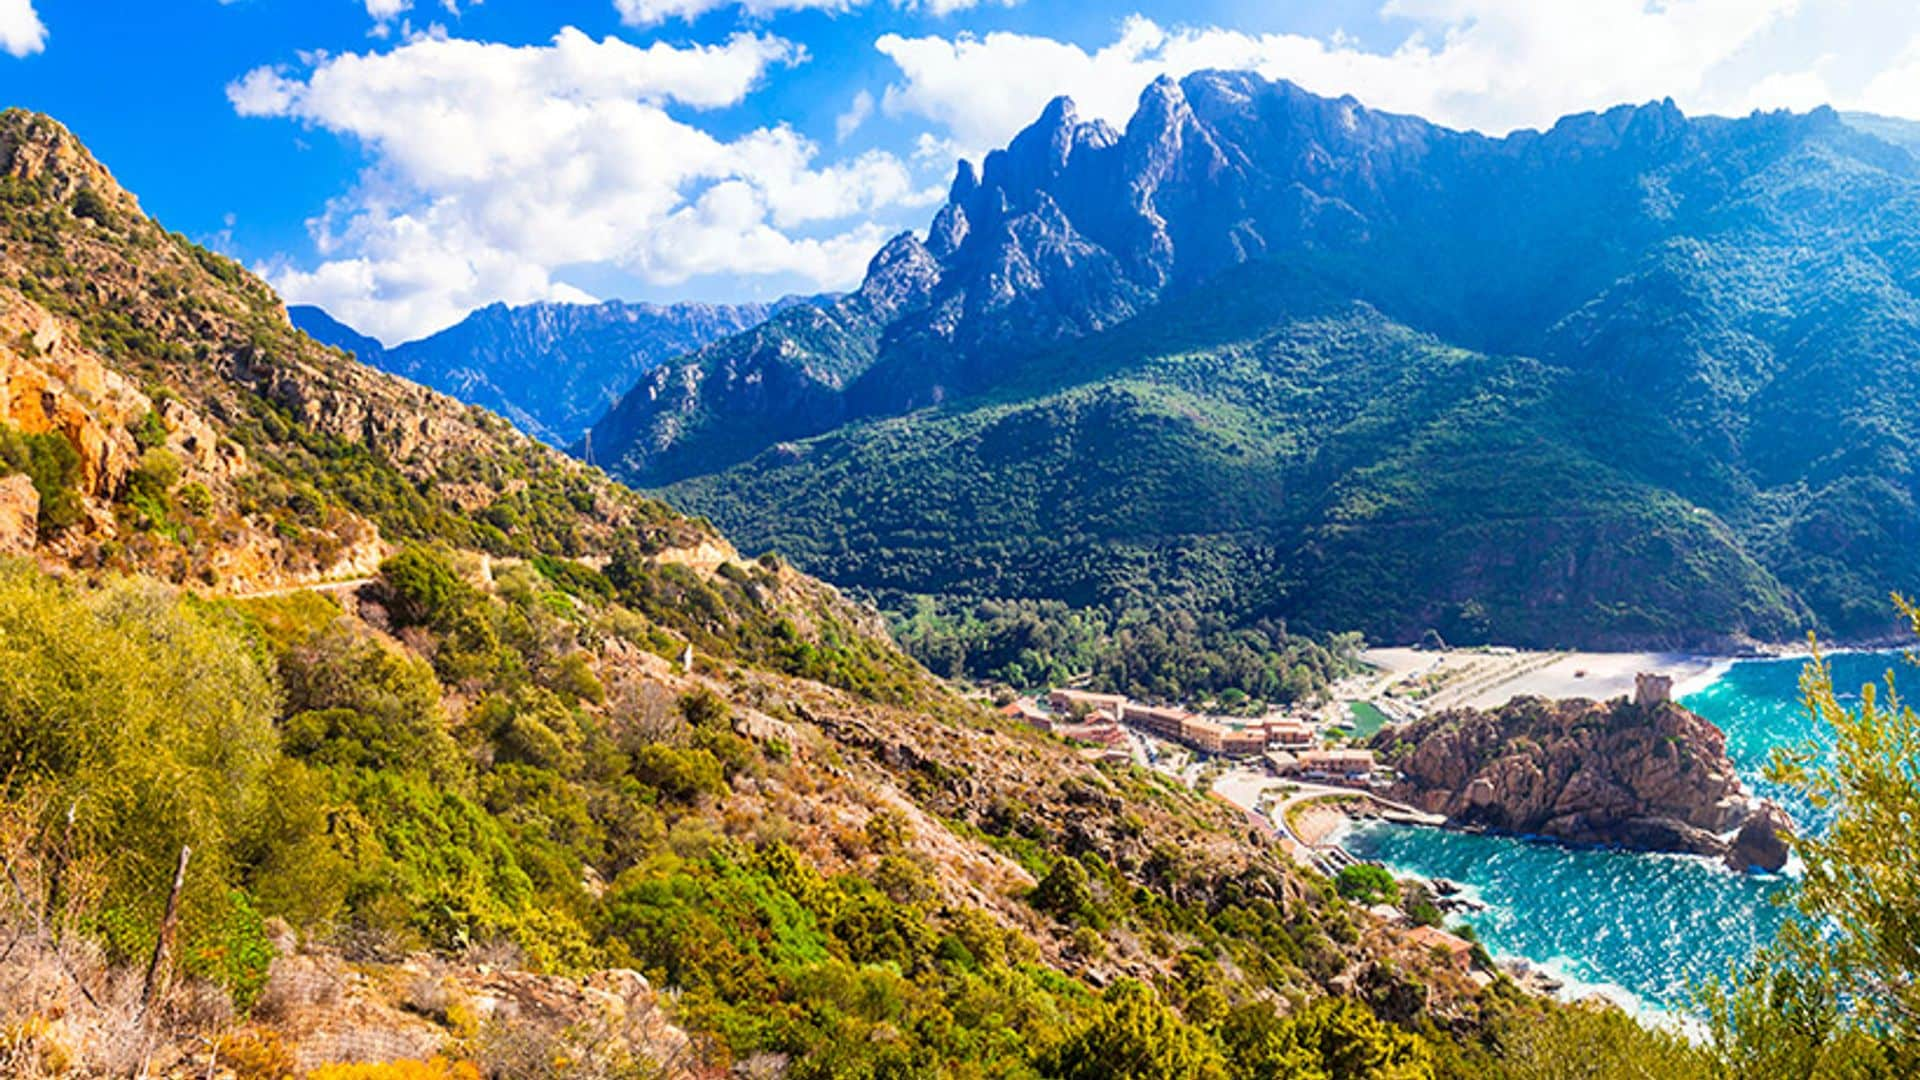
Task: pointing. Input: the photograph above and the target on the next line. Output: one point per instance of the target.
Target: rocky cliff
(210, 441)
(1650, 777)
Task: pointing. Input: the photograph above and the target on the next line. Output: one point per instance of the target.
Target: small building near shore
(1457, 950)
(1339, 764)
(1074, 702)
(1289, 734)
(1098, 733)
(1650, 689)
(1027, 713)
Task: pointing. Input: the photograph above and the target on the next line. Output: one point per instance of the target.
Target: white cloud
(21, 31)
(858, 112)
(497, 168)
(1895, 90)
(654, 12)
(1493, 65)
(644, 13)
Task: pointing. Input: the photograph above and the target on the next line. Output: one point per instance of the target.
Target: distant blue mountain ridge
(550, 368)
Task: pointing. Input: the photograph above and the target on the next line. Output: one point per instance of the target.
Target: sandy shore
(1316, 821)
(1490, 678)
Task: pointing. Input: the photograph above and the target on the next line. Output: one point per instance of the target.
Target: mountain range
(1638, 379)
(350, 731)
(342, 721)
(551, 368)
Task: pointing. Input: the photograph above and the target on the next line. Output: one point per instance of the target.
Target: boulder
(1761, 843)
(19, 515)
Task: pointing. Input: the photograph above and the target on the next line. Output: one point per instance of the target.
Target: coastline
(1560, 976)
(1320, 822)
(1491, 677)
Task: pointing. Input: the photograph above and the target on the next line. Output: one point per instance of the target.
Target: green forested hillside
(1262, 455)
(1635, 380)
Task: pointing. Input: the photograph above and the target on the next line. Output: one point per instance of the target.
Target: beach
(1488, 678)
(1314, 822)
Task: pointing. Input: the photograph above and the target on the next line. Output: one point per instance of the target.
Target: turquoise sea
(1653, 926)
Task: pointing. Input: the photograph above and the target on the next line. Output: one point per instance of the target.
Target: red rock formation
(1646, 777)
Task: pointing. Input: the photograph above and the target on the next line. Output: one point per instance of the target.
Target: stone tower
(1650, 689)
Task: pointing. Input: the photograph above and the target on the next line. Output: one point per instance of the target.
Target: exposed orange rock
(19, 515)
(1652, 777)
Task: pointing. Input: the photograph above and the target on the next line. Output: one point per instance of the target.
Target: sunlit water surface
(1646, 928)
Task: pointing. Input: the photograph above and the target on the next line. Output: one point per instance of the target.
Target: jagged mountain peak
(1620, 251)
(1074, 227)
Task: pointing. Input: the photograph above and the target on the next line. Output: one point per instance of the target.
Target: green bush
(681, 775)
(230, 948)
(151, 719)
(1136, 1036)
(423, 588)
(1365, 883)
(53, 465)
(1064, 892)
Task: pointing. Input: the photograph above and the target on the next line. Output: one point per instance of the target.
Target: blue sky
(401, 163)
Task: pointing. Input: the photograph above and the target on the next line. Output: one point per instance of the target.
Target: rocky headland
(1644, 773)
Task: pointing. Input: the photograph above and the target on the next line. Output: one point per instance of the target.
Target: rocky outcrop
(47, 385)
(160, 362)
(19, 515)
(1649, 777)
(1761, 842)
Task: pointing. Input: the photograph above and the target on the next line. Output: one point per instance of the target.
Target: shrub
(1364, 883)
(151, 718)
(229, 948)
(1136, 1037)
(53, 465)
(422, 587)
(1064, 892)
(681, 775)
(149, 432)
(436, 1068)
(88, 204)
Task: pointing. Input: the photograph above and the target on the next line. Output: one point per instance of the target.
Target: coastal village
(1301, 774)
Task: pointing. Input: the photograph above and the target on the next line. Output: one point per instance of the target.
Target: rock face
(1761, 842)
(19, 515)
(211, 439)
(1649, 777)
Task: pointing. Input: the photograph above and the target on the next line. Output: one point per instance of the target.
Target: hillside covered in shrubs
(345, 732)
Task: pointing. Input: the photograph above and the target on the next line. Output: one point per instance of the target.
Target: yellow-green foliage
(254, 1055)
(136, 724)
(1603, 1041)
(1135, 1036)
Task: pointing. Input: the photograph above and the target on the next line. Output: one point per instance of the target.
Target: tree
(1581, 1041)
(422, 586)
(1365, 883)
(1135, 1036)
(1330, 1039)
(1064, 892)
(1855, 881)
(1840, 994)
